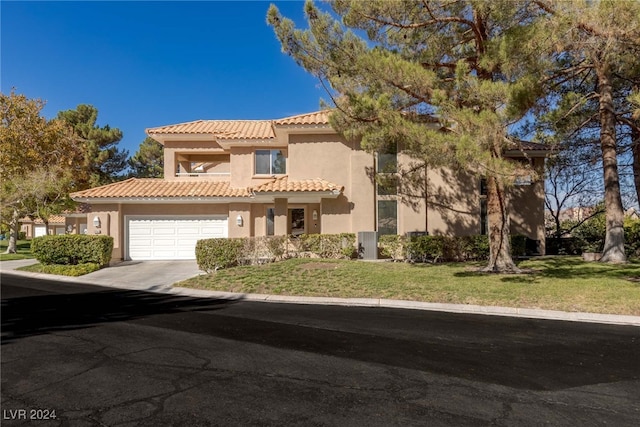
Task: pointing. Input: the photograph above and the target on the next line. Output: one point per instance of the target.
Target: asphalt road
(101, 356)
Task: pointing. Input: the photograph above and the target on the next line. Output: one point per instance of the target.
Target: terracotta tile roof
(159, 188)
(283, 184)
(222, 129)
(53, 220)
(315, 118)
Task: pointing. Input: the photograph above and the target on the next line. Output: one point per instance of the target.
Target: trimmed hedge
(443, 248)
(393, 246)
(333, 246)
(72, 249)
(214, 254)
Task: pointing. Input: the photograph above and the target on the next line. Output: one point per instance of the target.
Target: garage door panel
(190, 231)
(171, 238)
(165, 230)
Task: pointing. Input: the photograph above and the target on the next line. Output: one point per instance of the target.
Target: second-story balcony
(203, 166)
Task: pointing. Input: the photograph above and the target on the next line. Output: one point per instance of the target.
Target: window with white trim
(271, 162)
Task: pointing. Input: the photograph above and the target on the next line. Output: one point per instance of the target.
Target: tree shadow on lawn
(563, 268)
(86, 306)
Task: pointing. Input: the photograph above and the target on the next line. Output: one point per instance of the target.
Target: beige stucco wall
(526, 207)
(334, 159)
(453, 203)
(412, 202)
(75, 224)
(110, 225)
(242, 210)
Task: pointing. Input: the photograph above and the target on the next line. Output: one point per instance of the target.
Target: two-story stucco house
(228, 178)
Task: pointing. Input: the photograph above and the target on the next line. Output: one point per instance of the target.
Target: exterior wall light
(96, 222)
(315, 215)
(239, 221)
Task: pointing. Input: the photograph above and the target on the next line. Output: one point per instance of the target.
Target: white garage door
(39, 230)
(171, 238)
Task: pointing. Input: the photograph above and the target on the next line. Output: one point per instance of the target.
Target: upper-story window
(388, 159)
(271, 162)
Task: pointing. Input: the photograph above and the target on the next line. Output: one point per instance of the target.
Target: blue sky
(144, 64)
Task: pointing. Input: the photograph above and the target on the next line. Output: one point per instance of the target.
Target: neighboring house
(242, 178)
(65, 223)
(36, 227)
(632, 213)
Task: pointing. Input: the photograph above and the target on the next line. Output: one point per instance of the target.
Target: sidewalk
(159, 276)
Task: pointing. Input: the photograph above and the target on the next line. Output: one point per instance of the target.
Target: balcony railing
(203, 174)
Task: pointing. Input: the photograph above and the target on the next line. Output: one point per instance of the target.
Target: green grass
(62, 270)
(23, 247)
(553, 283)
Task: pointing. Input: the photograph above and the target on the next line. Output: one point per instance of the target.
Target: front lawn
(553, 283)
(23, 247)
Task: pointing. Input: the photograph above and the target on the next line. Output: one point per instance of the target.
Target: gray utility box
(367, 244)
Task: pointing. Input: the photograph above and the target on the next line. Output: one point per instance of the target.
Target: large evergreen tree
(103, 161)
(598, 45)
(445, 80)
(148, 161)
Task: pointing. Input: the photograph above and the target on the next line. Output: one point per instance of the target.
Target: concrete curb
(530, 313)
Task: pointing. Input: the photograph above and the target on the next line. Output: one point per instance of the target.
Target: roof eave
(159, 200)
(332, 194)
(247, 142)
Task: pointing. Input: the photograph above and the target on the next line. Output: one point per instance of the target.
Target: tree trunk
(500, 260)
(613, 251)
(635, 138)
(14, 229)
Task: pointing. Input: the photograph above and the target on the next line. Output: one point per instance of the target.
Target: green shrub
(214, 254)
(518, 245)
(457, 248)
(632, 237)
(22, 235)
(591, 233)
(72, 249)
(258, 250)
(426, 248)
(478, 247)
(563, 246)
(334, 246)
(393, 246)
(277, 245)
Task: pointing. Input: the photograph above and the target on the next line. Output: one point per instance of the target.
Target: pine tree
(148, 161)
(596, 68)
(103, 162)
(446, 80)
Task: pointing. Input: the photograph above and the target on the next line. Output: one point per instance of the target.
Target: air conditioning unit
(367, 244)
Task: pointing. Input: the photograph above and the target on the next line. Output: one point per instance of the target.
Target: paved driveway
(139, 275)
